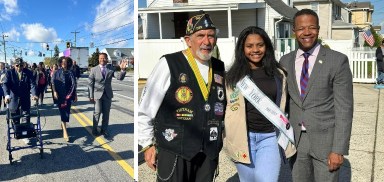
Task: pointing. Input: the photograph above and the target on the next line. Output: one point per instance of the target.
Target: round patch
(183, 94)
(183, 78)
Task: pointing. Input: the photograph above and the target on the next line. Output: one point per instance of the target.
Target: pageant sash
(268, 108)
(203, 87)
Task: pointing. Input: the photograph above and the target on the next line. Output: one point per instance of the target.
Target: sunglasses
(16, 65)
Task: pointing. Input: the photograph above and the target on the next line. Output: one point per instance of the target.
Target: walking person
(53, 70)
(19, 87)
(321, 102)
(64, 91)
(250, 133)
(380, 63)
(182, 109)
(100, 91)
(42, 81)
(2, 78)
(76, 70)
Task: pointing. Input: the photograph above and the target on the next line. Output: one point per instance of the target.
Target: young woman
(250, 137)
(64, 91)
(42, 81)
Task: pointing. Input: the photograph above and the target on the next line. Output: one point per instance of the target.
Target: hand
(75, 100)
(35, 98)
(7, 100)
(92, 100)
(334, 161)
(55, 95)
(123, 64)
(150, 157)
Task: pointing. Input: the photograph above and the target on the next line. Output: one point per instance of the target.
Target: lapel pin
(320, 61)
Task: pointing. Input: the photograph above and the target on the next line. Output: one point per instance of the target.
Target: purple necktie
(103, 71)
(304, 75)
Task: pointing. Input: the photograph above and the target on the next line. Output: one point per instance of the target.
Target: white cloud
(31, 53)
(10, 8)
(38, 33)
(112, 15)
(13, 35)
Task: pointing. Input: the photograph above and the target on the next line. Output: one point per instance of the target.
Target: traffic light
(68, 44)
(47, 47)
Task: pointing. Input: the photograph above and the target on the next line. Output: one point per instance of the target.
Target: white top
(152, 97)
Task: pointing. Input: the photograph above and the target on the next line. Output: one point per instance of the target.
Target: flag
(369, 37)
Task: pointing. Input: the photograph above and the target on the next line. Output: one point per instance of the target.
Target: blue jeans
(265, 159)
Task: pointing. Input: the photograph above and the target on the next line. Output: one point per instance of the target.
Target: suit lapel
(316, 71)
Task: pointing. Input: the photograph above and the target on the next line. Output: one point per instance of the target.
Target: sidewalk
(365, 162)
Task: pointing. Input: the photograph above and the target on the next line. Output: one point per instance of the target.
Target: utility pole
(51, 57)
(5, 53)
(75, 37)
(14, 53)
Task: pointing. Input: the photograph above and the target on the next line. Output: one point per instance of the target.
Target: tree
(47, 61)
(94, 59)
(55, 58)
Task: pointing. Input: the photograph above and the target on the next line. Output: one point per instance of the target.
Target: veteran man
(182, 108)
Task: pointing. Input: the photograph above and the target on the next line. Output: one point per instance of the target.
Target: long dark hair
(69, 62)
(241, 67)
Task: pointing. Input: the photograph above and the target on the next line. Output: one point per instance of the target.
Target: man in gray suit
(100, 91)
(321, 102)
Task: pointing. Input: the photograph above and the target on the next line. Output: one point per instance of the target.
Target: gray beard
(203, 56)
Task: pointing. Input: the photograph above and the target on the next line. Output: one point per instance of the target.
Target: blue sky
(30, 25)
(378, 13)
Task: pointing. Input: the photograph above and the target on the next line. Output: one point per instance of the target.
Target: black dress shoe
(95, 133)
(105, 134)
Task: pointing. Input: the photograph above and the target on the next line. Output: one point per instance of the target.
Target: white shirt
(152, 97)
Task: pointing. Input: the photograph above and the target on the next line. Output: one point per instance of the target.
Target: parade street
(84, 157)
(366, 154)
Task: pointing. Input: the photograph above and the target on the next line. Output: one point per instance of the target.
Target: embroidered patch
(233, 100)
(218, 79)
(213, 122)
(183, 94)
(235, 107)
(234, 94)
(183, 78)
(219, 109)
(169, 134)
(220, 93)
(184, 114)
(213, 134)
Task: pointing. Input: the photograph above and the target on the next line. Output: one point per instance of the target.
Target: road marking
(130, 98)
(79, 117)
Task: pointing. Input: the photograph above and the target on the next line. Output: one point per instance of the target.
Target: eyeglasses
(16, 65)
(310, 28)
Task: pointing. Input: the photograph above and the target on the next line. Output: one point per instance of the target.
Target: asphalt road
(84, 158)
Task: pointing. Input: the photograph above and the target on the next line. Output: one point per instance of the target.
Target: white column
(160, 27)
(229, 19)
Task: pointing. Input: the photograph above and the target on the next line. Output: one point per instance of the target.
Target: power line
(114, 42)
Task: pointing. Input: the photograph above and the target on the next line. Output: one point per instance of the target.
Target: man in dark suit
(100, 91)
(18, 86)
(321, 103)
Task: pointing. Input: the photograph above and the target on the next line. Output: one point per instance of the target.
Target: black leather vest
(186, 124)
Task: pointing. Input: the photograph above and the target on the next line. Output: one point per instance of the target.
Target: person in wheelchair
(18, 86)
